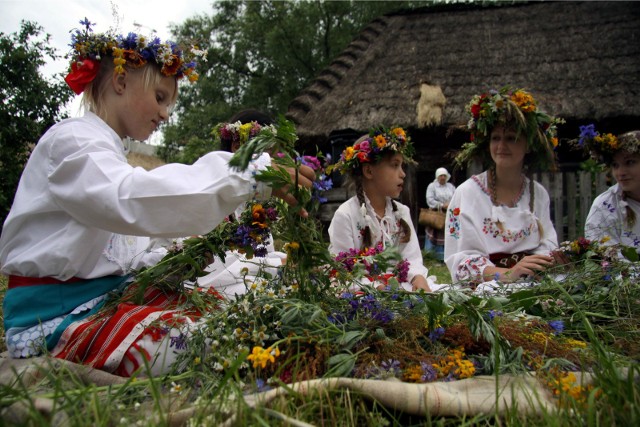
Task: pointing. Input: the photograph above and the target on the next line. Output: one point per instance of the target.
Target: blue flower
(586, 133)
(493, 313)
(557, 326)
(436, 334)
(428, 372)
(261, 385)
(392, 366)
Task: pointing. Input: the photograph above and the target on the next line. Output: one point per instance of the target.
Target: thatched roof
(581, 60)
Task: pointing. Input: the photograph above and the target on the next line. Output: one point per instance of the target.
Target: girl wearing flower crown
(615, 214)
(498, 223)
(371, 217)
(83, 218)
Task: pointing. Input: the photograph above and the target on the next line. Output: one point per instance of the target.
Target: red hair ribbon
(82, 74)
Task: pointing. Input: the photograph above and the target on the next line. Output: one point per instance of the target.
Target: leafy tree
(259, 55)
(29, 105)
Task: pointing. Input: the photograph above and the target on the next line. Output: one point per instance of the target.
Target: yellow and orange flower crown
(133, 50)
(371, 149)
(513, 107)
(602, 147)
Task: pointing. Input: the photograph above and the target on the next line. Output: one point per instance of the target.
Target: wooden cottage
(419, 68)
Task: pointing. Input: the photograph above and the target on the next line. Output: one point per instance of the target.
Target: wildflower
(175, 388)
(429, 373)
(260, 356)
(493, 314)
(391, 366)
(436, 334)
(261, 385)
(557, 326)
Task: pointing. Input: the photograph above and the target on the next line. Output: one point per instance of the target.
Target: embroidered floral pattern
(454, 222)
(472, 269)
(609, 206)
(491, 228)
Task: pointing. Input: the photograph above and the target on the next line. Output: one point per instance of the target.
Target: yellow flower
(554, 142)
(524, 101)
(412, 374)
(399, 132)
(292, 246)
(575, 343)
(244, 131)
(605, 239)
(348, 153)
(381, 141)
(261, 356)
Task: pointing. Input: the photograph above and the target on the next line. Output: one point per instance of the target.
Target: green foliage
(260, 55)
(30, 104)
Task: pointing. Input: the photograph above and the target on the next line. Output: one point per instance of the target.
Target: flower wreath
(513, 107)
(133, 50)
(239, 132)
(602, 147)
(371, 149)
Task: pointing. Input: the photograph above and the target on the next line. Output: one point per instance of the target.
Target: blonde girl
(83, 218)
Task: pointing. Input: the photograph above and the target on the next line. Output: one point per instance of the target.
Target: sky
(58, 17)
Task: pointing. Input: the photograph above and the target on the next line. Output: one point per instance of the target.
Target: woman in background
(439, 194)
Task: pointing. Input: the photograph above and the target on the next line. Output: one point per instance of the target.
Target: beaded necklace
(491, 177)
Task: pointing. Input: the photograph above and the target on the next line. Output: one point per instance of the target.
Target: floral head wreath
(373, 148)
(517, 108)
(239, 132)
(602, 147)
(133, 50)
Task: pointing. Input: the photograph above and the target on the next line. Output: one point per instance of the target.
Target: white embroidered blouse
(348, 223)
(472, 232)
(608, 217)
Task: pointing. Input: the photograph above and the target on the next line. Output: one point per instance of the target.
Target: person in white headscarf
(439, 194)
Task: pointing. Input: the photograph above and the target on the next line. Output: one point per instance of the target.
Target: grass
(606, 316)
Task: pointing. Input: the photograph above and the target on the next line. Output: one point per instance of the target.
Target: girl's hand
(530, 265)
(306, 176)
(419, 282)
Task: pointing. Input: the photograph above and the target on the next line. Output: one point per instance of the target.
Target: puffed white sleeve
(602, 219)
(93, 184)
(465, 250)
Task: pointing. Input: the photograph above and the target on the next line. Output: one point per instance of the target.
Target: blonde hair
(94, 93)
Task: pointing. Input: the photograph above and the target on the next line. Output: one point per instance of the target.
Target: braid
(366, 236)
(491, 178)
(532, 200)
(406, 230)
(631, 215)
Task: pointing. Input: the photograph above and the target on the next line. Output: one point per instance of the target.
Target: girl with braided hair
(371, 218)
(614, 214)
(498, 224)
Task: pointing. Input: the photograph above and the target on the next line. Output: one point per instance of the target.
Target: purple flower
(493, 313)
(586, 133)
(436, 334)
(392, 366)
(428, 372)
(557, 326)
(261, 385)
